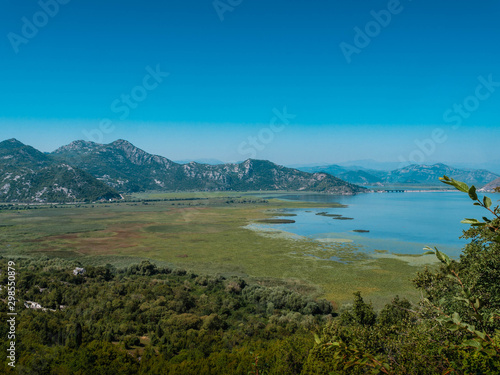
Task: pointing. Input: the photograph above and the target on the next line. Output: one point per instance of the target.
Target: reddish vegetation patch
(123, 236)
(182, 256)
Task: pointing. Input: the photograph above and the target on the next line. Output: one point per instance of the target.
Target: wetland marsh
(218, 234)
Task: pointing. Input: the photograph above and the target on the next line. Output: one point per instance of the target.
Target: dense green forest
(147, 319)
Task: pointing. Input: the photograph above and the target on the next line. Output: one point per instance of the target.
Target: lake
(397, 222)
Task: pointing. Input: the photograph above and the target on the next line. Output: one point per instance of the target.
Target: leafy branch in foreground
(482, 339)
(486, 203)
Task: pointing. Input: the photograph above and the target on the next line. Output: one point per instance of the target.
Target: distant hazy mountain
(130, 169)
(358, 177)
(491, 186)
(370, 164)
(412, 174)
(28, 175)
(493, 166)
(429, 174)
(361, 178)
(332, 169)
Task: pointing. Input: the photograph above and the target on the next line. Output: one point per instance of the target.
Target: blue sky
(263, 79)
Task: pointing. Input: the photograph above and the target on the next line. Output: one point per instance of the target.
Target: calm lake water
(398, 222)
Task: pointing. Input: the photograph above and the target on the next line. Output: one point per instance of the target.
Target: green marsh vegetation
(254, 306)
(206, 235)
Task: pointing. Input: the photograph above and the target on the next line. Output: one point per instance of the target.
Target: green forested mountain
(130, 169)
(90, 171)
(28, 175)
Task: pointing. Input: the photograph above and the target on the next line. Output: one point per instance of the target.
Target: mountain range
(90, 171)
(370, 164)
(412, 174)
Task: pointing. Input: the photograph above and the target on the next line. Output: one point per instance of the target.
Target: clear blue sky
(228, 77)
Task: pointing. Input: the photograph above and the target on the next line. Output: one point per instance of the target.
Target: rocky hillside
(130, 169)
(495, 184)
(28, 175)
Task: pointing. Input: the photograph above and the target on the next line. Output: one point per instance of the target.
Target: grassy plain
(208, 233)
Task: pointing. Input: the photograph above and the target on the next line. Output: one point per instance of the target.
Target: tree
(465, 294)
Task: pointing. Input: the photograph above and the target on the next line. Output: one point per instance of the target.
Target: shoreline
(373, 255)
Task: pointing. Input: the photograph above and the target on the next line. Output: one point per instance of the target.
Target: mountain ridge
(83, 170)
(128, 168)
(411, 174)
